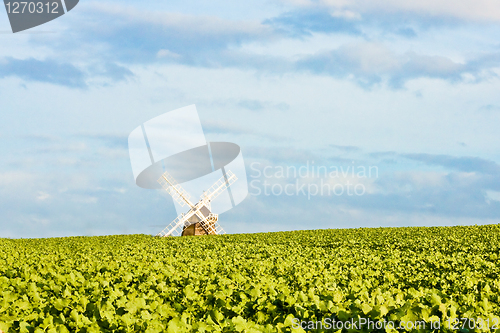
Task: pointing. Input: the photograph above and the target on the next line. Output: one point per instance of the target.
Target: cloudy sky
(406, 89)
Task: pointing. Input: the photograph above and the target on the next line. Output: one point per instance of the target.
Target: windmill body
(199, 220)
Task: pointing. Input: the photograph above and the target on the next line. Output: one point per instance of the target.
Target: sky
(349, 114)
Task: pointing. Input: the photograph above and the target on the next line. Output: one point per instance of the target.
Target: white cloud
(16, 178)
(163, 53)
(417, 180)
(344, 13)
(85, 199)
(477, 10)
(371, 57)
(492, 196)
(205, 25)
(370, 63)
(42, 196)
(39, 221)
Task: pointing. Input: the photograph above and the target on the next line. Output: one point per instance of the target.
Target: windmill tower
(199, 220)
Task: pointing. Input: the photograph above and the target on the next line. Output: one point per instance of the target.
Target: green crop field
(270, 282)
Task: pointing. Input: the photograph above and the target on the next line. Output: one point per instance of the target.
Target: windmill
(199, 220)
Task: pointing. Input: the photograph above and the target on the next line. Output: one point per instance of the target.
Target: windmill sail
(175, 190)
(173, 229)
(199, 219)
(220, 186)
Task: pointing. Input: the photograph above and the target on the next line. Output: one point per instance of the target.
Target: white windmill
(199, 220)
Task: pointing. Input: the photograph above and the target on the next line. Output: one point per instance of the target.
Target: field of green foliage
(270, 282)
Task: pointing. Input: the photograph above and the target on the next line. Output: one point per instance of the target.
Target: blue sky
(410, 88)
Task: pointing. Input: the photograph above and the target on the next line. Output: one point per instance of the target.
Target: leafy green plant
(249, 282)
